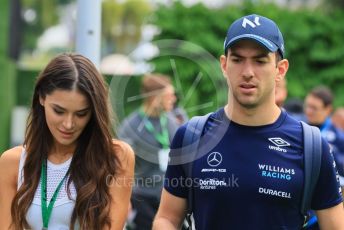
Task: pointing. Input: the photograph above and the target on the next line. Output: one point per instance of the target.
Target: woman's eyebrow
(61, 108)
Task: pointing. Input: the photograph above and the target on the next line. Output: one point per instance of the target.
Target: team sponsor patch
(272, 192)
(276, 172)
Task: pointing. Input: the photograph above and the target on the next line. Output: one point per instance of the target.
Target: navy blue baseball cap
(261, 29)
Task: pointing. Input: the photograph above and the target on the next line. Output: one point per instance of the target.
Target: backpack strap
(312, 163)
(192, 136)
(194, 130)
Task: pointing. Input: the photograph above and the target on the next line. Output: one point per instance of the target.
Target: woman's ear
(41, 101)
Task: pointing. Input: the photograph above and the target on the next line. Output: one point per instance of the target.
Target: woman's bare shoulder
(9, 162)
(11, 156)
(124, 153)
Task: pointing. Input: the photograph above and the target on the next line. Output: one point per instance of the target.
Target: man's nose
(247, 70)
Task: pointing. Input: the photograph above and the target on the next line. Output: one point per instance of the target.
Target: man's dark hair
(294, 105)
(323, 93)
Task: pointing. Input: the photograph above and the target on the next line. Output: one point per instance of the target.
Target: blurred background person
(338, 118)
(149, 131)
(318, 108)
(292, 106)
(281, 92)
(179, 112)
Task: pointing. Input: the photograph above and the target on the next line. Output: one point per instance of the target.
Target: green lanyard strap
(162, 137)
(46, 211)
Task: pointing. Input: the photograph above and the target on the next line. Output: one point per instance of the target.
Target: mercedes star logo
(214, 159)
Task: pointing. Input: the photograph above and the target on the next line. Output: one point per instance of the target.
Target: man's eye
(260, 61)
(235, 60)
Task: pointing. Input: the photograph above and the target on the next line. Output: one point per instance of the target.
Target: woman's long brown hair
(93, 158)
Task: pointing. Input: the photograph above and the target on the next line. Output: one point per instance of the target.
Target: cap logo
(250, 23)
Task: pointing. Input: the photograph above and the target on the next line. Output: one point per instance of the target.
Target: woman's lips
(66, 134)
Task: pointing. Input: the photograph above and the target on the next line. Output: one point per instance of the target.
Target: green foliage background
(313, 41)
(7, 78)
(192, 41)
(121, 24)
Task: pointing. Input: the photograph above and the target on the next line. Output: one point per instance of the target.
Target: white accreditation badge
(163, 159)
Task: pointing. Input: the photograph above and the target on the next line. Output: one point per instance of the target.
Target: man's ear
(223, 63)
(282, 69)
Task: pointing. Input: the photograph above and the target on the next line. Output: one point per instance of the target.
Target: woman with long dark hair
(70, 173)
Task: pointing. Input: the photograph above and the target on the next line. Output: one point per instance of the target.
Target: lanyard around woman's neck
(162, 137)
(46, 210)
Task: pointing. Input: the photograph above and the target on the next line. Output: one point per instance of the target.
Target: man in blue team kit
(252, 176)
(318, 107)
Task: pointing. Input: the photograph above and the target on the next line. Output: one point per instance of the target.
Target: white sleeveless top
(63, 207)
